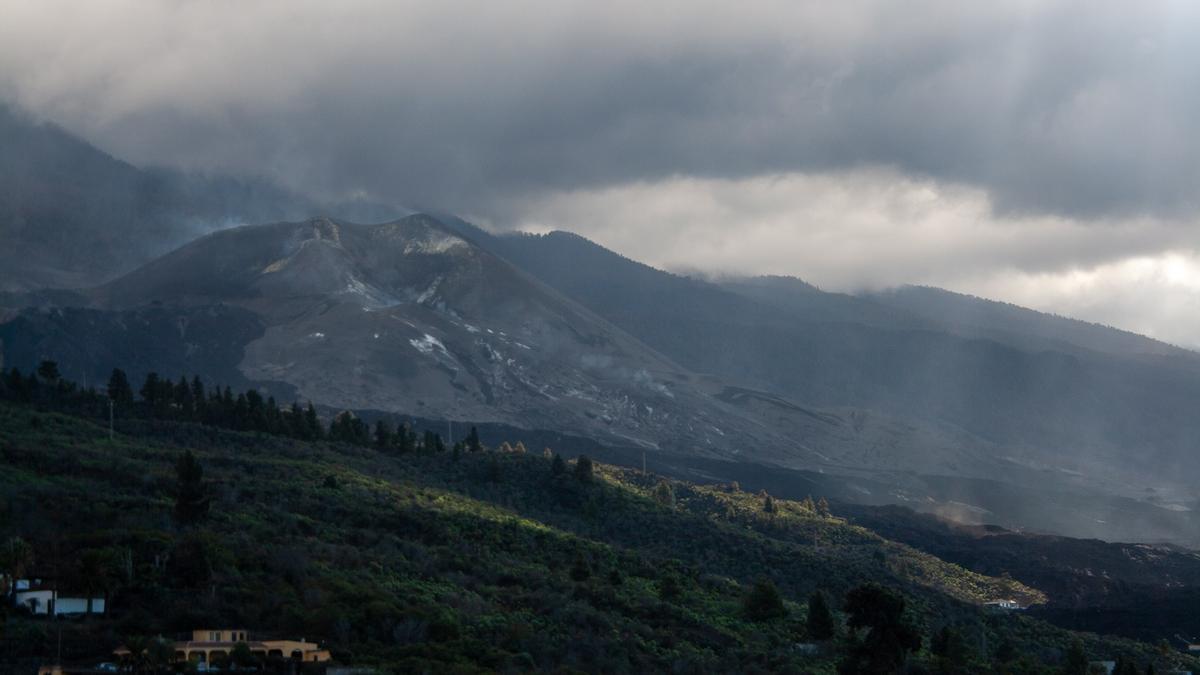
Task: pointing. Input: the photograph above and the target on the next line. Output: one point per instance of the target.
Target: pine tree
(241, 413)
(256, 411)
(312, 423)
(820, 620)
(432, 442)
(823, 508)
(199, 400)
(347, 427)
(150, 391)
(406, 439)
(48, 371)
(118, 388)
(274, 417)
(191, 495)
(383, 435)
(16, 559)
(473, 443)
(583, 469)
(228, 414)
(808, 505)
(14, 382)
(763, 602)
(1076, 661)
(889, 637)
(557, 466)
(183, 399)
(769, 504)
(295, 426)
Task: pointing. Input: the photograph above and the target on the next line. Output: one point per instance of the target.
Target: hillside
(464, 562)
(1137, 590)
(1066, 405)
(73, 216)
(971, 316)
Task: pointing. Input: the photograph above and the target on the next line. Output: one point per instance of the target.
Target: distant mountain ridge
(73, 216)
(973, 316)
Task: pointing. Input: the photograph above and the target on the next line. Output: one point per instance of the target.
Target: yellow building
(213, 646)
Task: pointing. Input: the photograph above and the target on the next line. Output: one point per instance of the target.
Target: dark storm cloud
(1085, 109)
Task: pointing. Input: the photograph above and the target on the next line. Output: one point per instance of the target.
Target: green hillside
(462, 561)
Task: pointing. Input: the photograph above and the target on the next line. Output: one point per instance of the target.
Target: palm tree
(149, 655)
(96, 572)
(16, 559)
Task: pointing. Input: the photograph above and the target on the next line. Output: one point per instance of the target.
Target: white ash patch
(371, 297)
(428, 344)
(434, 243)
(430, 291)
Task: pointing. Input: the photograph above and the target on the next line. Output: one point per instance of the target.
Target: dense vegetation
(444, 561)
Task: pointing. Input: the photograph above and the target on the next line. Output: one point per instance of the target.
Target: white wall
(61, 606)
(78, 606)
(43, 600)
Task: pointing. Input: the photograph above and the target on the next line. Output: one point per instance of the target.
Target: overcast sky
(1044, 153)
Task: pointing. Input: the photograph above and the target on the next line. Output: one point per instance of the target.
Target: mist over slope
(1067, 400)
(73, 216)
(971, 316)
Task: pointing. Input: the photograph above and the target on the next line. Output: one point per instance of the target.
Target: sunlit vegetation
(467, 559)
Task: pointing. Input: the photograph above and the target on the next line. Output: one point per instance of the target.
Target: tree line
(183, 400)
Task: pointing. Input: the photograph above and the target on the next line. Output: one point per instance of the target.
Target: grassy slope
(427, 560)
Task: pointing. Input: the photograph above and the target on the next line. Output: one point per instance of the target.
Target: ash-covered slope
(1072, 402)
(409, 317)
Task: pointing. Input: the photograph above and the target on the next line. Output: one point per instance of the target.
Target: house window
(214, 636)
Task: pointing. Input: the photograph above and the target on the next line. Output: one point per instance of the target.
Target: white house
(33, 595)
(1002, 604)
